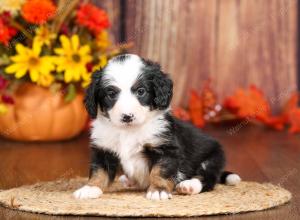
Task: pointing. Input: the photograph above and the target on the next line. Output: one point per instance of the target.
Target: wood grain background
(235, 43)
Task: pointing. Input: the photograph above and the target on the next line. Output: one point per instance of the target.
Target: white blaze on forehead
(123, 74)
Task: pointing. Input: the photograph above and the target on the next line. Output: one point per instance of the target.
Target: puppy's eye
(141, 91)
(111, 94)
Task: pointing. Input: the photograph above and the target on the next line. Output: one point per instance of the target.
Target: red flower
(3, 83)
(6, 32)
(93, 18)
(8, 99)
(37, 11)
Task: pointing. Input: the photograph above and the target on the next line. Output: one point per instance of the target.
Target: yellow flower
(102, 40)
(44, 36)
(72, 58)
(102, 62)
(3, 108)
(45, 80)
(86, 80)
(12, 6)
(29, 60)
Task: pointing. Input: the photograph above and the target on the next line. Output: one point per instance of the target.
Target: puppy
(133, 131)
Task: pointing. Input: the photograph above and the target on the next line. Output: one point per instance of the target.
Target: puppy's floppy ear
(163, 90)
(161, 83)
(91, 99)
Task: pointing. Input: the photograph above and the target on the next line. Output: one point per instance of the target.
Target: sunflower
(72, 58)
(44, 36)
(29, 61)
(12, 6)
(45, 80)
(102, 62)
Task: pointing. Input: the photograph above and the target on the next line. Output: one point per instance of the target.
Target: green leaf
(4, 60)
(55, 87)
(71, 93)
(59, 76)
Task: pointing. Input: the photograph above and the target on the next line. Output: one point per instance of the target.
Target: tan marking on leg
(157, 182)
(99, 178)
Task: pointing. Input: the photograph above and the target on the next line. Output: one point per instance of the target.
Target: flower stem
(64, 10)
(20, 28)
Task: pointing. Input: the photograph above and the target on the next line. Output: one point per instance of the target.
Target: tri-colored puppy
(134, 131)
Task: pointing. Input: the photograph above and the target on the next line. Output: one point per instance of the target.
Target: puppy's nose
(127, 118)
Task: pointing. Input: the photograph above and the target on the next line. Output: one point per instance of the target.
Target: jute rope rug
(56, 198)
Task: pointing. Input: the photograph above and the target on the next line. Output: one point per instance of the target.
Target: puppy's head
(128, 91)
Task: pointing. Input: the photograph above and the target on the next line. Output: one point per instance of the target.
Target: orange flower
(6, 32)
(93, 18)
(196, 109)
(251, 103)
(37, 11)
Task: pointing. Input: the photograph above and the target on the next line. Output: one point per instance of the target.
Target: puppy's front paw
(88, 192)
(190, 187)
(158, 195)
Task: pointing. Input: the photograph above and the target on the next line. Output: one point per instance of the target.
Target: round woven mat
(56, 198)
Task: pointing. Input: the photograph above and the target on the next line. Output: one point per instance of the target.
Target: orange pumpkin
(41, 115)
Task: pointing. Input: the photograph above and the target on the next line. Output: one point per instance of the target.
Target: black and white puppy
(133, 131)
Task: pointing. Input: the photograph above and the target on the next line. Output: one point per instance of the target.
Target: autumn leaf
(294, 121)
(291, 113)
(181, 113)
(252, 103)
(196, 109)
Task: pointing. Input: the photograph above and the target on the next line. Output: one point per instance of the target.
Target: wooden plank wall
(113, 8)
(233, 42)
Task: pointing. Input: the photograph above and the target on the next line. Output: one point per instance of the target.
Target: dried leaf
(181, 114)
(294, 121)
(291, 113)
(196, 109)
(252, 104)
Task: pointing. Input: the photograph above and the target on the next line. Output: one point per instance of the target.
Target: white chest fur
(128, 144)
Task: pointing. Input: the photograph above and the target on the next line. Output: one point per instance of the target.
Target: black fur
(160, 83)
(105, 160)
(93, 94)
(186, 150)
(97, 94)
(187, 153)
(121, 58)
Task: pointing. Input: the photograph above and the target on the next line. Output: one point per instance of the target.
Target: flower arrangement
(243, 107)
(52, 44)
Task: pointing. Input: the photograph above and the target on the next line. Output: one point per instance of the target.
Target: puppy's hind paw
(190, 187)
(158, 195)
(233, 179)
(88, 192)
(126, 182)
